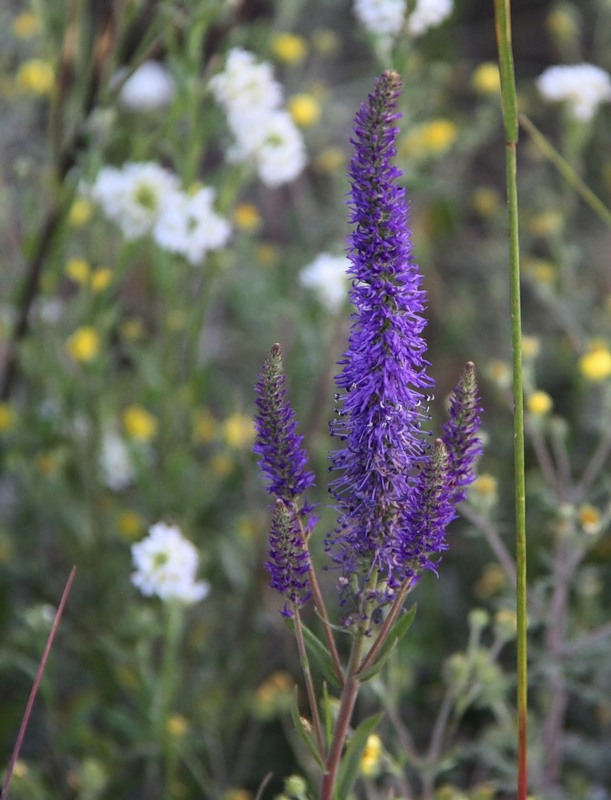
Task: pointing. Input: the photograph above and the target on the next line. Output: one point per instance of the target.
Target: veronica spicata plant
(395, 487)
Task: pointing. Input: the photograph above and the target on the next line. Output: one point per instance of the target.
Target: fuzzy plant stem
(502, 9)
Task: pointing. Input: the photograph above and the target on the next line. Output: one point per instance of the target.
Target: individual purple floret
(459, 433)
(395, 492)
(288, 561)
(282, 459)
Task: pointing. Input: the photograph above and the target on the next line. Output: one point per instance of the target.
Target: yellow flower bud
(139, 423)
(84, 344)
(304, 109)
(486, 78)
(595, 365)
(35, 76)
(289, 48)
(539, 403)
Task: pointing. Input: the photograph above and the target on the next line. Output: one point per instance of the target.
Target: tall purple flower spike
(392, 488)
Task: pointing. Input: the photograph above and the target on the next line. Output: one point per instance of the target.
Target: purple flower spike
(460, 432)
(289, 561)
(382, 400)
(282, 460)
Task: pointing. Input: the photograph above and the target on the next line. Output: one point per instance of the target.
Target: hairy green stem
(502, 10)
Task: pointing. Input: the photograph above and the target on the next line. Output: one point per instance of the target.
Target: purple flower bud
(282, 460)
(288, 563)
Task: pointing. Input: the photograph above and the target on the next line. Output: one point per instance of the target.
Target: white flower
(428, 14)
(583, 86)
(166, 565)
(115, 462)
(189, 226)
(134, 195)
(263, 131)
(327, 276)
(150, 86)
(381, 17)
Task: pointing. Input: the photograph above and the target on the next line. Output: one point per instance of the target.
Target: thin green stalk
(307, 674)
(567, 171)
(502, 9)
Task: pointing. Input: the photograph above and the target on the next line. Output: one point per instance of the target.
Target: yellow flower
(492, 581)
(7, 417)
(595, 365)
(304, 109)
(101, 279)
(139, 423)
(506, 621)
(130, 524)
(370, 759)
(78, 270)
(545, 224)
(21, 769)
(432, 138)
(486, 201)
(221, 465)
(561, 22)
(177, 725)
(325, 41)
(239, 431)
(273, 694)
(331, 159)
(500, 373)
(289, 48)
(486, 78)
(543, 272)
(132, 329)
(589, 518)
(80, 212)
(204, 426)
(35, 76)
(539, 403)
(531, 347)
(267, 254)
(485, 485)
(246, 217)
(26, 25)
(84, 344)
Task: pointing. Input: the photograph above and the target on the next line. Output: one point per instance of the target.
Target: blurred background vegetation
(127, 379)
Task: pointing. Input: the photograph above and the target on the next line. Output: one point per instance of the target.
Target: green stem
(566, 170)
(307, 675)
(510, 118)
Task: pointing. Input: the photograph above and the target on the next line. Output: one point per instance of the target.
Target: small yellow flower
(78, 270)
(545, 224)
(26, 25)
(539, 403)
(506, 621)
(370, 759)
(595, 365)
(561, 22)
(500, 373)
(177, 725)
(21, 769)
(80, 212)
(7, 417)
(204, 426)
(486, 78)
(289, 48)
(492, 581)
(130, 524)
(589, 518)
(331, 159)
(325, 41)
(267, 254)
(531, 347)
(139, 423)
(221, 465)
(101, 279)
(132, 329)
(273, 694)
(541, 271)
(84, 344)
(305, 109)
(35, 76)
(246, 217)
(239, 431)
(486, 201)
(432, 138)
(485, 485)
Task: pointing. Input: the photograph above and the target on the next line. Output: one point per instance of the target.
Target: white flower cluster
(582, 86)
(387, 17)
(143, 198)
(264, 132)
(116, 462)
(327, 277)
(166, 565)
(149, 87)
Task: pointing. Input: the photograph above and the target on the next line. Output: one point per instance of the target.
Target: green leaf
(303, 731)
(349, 767)
(395, 634)
(320, 656)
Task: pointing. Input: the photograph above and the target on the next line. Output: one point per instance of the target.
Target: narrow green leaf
(303, 732)
(327, 714)
(320, 656)
(395, 634)
(349, 767)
